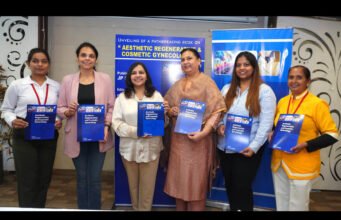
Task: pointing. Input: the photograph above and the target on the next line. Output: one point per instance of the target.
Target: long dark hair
(252, 100)
(149, 88)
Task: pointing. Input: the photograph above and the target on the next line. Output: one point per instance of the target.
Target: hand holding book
(173, 112)
(299, 147)
(166, 106)
(71, 111)
(221, 130)
(19, 123)
(199, 135)
(58, 124)
(247, 152)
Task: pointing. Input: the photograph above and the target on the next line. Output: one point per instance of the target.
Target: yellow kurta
(317, 120)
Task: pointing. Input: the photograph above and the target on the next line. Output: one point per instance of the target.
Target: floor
(62, 194)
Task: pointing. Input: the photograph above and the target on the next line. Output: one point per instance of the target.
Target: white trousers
(291, 195)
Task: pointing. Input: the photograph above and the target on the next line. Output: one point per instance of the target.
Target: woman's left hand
(247, 152)
(221, 130)
(58, 124)
(106, 131)
(196, 136)
(299, 147)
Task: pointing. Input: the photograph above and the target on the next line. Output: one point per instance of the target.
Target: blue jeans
(89, 164)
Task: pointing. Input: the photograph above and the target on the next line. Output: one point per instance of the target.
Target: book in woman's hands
(90, 123)
(150, 119)
(190, 116)
(287, 132)
(41, 120)
(237, 132)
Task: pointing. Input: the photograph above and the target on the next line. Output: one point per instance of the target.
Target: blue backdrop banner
(161, 55)
(273, 50)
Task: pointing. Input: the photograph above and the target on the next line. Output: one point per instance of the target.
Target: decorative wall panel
(317, 45)
(18, 35)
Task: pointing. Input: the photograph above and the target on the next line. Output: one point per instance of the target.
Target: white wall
(317, 45)
(66, 33)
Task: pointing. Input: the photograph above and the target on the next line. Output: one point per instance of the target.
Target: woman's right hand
(19, 123)
(270, 135)
(174, 111)
(221, 130)
(166, 106)
(71, 111)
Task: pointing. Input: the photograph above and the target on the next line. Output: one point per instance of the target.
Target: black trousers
(239, 172)
(34, 165)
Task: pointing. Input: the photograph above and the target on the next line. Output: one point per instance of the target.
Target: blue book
(190, 116)
(150, 119)
(41, 120)
(287, 132)
(237, 132)
(90, 123)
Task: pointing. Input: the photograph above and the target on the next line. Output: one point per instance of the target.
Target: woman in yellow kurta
(293, 173)
(190, 157)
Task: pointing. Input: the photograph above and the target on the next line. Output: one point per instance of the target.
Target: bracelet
(107, 125)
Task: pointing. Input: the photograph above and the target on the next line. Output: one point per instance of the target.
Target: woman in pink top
(86, 87)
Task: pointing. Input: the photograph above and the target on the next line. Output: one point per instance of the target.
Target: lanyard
(299, 104)
(47, 93)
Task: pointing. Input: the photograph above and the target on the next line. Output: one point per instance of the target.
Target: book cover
(150, 119)
(190, 116)
(287, 132)
(237, 132)
(90, 123)
(41, 120)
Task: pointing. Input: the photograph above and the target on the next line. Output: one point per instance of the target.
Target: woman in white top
(33, 158)
(140, 155)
